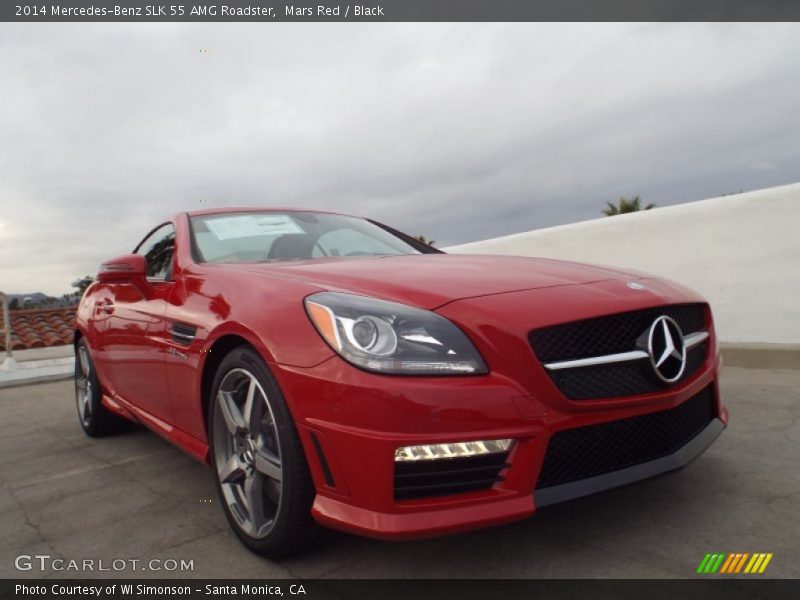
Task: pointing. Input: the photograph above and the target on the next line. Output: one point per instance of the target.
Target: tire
(95, 419)
(260, 469)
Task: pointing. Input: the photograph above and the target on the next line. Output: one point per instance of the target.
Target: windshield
(272, 236)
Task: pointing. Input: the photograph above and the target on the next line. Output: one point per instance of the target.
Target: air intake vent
(584, 452)
(418, 479)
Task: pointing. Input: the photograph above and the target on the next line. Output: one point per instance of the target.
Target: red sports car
(336, 373)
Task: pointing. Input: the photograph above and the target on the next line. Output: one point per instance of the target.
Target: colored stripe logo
(737, 562)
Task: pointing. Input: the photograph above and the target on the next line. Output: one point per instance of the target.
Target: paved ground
(135, 496)
(36, 365)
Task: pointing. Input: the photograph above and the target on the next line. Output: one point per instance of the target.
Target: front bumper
(351, 422)
(425, 523)
(592, 485)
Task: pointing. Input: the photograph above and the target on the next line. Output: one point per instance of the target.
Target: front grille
(575, 454)
(614, 334)
(610, 334)
(418, 479)
(620, 379)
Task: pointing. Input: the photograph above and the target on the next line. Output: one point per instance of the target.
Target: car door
(134, 356)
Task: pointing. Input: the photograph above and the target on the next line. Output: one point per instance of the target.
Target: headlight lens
(387, 337)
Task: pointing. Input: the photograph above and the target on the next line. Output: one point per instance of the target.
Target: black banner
(733, 588)
(399, 10)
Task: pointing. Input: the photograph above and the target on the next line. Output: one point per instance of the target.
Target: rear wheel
(261, 473)
(95, 418)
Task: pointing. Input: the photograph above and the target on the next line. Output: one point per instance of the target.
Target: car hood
(433, 280)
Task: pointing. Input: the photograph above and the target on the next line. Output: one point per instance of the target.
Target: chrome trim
(689, 341)
(180, 335)
(177, 353)
(183, 336)
(596, 360)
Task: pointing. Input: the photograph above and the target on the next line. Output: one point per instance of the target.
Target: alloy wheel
(247, 452)
(83, 386)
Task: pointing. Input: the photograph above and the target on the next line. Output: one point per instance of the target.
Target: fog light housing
(451, 450)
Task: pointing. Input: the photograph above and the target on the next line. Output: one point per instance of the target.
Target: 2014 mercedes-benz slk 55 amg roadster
(336, 373)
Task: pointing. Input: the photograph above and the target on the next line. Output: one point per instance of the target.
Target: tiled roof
(39, 328)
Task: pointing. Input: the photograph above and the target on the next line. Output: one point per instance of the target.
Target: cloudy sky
(455, 131)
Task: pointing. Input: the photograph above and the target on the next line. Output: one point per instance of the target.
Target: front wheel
(261, 473)
(95, 418)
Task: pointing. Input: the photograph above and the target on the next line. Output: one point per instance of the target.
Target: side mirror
(129, 268)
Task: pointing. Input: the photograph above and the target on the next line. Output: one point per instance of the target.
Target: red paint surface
(359, 417)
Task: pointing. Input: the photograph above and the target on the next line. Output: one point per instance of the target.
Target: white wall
(742, 252)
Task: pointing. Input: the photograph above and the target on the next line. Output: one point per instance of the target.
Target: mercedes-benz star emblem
(666, 349)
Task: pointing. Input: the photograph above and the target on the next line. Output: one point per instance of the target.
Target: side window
(157, 249)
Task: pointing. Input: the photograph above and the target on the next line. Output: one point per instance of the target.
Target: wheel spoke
(87, 401)
(250, 404)
(230, 412)
(83, 392)
(232, 471)
(83, 357)
(253, 498)
(268, 464)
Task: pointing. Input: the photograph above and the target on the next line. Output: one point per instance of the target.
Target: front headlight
(387, 337)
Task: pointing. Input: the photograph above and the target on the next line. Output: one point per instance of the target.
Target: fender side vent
(182, 333)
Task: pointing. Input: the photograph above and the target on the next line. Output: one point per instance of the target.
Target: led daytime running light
(451, 450)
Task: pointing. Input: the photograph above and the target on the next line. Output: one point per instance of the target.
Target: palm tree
(421, 238)
(625, 205)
